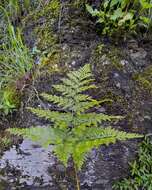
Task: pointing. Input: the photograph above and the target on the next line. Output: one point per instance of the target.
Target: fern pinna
(75, 130)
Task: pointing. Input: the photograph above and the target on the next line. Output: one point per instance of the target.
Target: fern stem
(77, 178)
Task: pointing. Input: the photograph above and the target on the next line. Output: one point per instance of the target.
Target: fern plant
(75, 130)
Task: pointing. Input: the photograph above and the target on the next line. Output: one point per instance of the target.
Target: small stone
(147, 117)
(60, 168)
(118, 85)
(101, 109)
(116, 75)
(65, 46)
(138, 58)
(11, 180)
(106, 62)
(123, 62)
(73, 63)
(102, 181)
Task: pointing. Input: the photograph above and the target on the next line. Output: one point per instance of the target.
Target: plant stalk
(77, 178)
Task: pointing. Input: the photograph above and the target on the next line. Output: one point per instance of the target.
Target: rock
(60, 168)
(138, 57)
(102, 181)
(101, 110)
(132, 44)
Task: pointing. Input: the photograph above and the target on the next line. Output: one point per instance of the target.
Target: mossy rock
(144, 79)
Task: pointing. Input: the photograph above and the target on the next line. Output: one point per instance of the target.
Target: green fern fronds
(75, 129)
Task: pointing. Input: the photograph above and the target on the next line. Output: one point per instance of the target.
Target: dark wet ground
(30, 167)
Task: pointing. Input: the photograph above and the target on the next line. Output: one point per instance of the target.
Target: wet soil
(29, 166)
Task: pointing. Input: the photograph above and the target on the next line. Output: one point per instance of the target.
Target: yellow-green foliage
(75, 129)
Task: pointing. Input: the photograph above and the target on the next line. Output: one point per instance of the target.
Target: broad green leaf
(117, 14)
(128, 16)
(94, 12)
(146, 20)
(145, 4)
(114, 2)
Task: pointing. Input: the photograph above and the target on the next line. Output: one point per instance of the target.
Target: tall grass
(15, 62)
(15, 59)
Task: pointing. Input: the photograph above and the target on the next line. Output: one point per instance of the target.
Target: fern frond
(41, 135)
(60, 119)
(80, 107)
(81, 74)
(59, 100)
(94, 119)
(63, 152)
(77, 82)
(68, 92)
(82, 97)
(108, 132)
(95, 137)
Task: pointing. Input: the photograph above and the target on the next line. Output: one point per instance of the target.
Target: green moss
(79, 3)
(48, 9)
(99, 49)
(54, 8)
(115, 58)
(144, 82)
(144, 79)
(50, 62)
(5, 141)
(11, 99)
(46, 38)
(112, 55)
(44, 19)
(107, 60)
